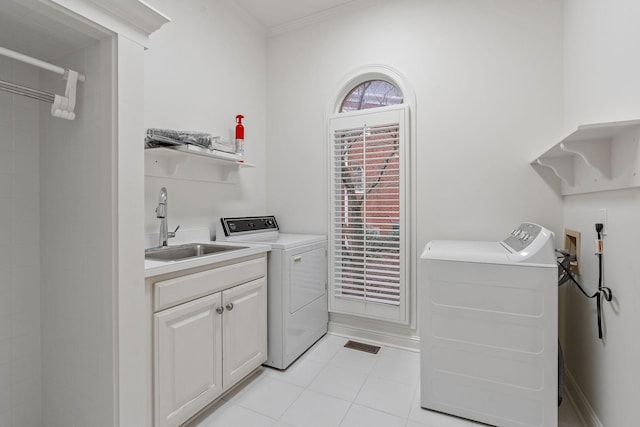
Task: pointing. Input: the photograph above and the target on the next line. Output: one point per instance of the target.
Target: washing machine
(296, 284)
(488, 329)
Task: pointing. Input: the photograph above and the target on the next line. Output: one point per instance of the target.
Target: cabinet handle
(229, 306)
(297, 258)
(219, 310)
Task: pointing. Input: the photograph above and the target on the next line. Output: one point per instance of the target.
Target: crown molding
(324, 15)
(134, 19)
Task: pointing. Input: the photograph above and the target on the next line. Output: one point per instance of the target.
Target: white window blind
(367, 239)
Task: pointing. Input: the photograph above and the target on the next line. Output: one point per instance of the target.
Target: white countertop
(155, 268)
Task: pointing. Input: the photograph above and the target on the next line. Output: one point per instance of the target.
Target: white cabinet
(188, 359)
(245, 329)
(204, 345)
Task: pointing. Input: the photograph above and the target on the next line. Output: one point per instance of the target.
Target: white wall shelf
(596, 157)
(192, 163)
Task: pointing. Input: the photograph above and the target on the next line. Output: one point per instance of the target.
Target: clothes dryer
(296, 284)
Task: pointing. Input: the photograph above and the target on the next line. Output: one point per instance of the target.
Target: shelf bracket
(595, 153)
(562, 167)
(174, 163)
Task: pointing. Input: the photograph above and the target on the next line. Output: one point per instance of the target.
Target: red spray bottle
(239, 135)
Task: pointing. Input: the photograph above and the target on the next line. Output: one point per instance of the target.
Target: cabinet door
(187, 359)
(245, 329)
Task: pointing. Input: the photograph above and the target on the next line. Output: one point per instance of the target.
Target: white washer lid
(471, 251)
(488, 252)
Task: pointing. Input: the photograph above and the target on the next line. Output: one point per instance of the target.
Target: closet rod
(37, 62)
(25, 91)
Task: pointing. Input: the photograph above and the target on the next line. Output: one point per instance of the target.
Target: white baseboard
(584, 411)
(354, 328)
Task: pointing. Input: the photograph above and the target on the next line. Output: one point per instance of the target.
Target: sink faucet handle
(161, 210)
(171, 234)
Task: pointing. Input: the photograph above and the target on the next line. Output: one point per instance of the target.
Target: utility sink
(189, 250)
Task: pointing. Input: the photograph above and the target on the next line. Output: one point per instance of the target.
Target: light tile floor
(332, 386)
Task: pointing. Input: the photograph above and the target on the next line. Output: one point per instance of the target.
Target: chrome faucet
(161, 212)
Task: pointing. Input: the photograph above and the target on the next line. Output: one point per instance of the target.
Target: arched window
(368, 234)
(371, 94)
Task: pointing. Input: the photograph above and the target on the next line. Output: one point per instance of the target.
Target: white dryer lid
(281, 240)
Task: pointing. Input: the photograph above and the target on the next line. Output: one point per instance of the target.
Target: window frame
(358, 75)
(362, 308)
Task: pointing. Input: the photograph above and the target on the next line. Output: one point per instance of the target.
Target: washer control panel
(246, 225)
(522, 236)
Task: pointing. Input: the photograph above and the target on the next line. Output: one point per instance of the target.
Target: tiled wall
(20, 330)
(76, 241)
(56, 278)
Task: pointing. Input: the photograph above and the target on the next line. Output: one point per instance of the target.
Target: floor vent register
(367, 348)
